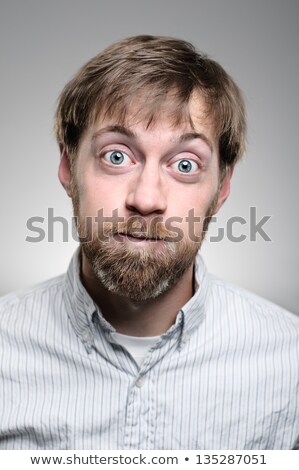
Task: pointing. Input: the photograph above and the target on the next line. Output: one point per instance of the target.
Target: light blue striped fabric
(225, 376)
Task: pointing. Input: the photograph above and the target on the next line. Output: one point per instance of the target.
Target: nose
(147, 193)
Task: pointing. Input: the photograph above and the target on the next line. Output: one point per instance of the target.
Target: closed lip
(138, 237)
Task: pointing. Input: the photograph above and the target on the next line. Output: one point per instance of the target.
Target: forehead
(166, 113)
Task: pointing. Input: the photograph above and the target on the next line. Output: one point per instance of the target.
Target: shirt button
(140, 382)
(87, 337)
(185, 338)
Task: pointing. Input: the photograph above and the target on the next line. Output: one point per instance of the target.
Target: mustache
(138, 227)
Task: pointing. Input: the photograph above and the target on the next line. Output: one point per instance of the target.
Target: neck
(147, 318)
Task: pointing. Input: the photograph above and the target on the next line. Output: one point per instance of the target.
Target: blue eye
(185, 166)
(115, 157)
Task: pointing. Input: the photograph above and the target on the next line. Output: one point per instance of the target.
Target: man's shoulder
(42, 292)
(239, 301)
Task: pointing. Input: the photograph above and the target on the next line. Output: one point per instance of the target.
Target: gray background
(42, 45)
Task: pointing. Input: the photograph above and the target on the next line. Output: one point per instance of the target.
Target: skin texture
(149, 182)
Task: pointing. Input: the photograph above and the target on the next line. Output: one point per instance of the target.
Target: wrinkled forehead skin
(150, 108)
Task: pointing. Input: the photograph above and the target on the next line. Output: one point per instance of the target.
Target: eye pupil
(185, 166)
(117, 158)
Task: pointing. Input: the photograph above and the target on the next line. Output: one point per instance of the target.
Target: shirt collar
(81, 307)
(193, 312)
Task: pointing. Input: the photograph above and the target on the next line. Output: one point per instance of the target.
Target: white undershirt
(136, 345)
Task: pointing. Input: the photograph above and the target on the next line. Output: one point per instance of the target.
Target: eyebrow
(116, 129)
(131, 134)
(195, 135)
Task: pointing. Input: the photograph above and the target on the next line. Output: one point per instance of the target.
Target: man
(137, 346)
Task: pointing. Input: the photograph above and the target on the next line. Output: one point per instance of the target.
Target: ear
(225, 189)
(64, 170)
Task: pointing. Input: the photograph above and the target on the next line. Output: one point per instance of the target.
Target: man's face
(157, 184)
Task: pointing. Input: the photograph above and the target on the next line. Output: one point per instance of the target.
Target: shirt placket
(140, 418)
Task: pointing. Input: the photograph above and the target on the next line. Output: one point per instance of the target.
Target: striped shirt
(224, 376)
